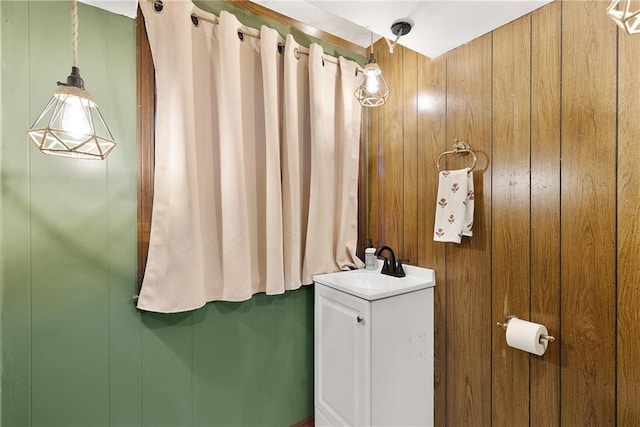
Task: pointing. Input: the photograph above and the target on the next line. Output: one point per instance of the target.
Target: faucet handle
(399, 271)
(385, 266)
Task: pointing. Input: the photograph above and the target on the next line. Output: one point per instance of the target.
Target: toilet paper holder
(504, 325)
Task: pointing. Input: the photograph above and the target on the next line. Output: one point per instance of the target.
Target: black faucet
(390, 266)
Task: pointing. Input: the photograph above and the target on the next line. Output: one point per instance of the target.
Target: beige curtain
(256, 161)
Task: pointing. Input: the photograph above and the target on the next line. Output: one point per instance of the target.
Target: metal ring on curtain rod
(302, 51)
(158, 5)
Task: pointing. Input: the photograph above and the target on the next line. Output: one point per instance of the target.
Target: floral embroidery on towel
(455, 205)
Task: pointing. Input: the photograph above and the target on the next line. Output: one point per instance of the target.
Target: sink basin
(372, 285)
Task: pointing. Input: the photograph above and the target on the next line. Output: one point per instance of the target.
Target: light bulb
(74, 116)
(372, 90)
(371, 84)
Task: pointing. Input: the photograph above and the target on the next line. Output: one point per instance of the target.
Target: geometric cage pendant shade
(371, 88)
(626, 19)
(71, 125)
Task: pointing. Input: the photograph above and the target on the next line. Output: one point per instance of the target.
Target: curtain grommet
(195, 19)
(240, 36)
(158, 5)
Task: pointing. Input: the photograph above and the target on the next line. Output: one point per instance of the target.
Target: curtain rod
(251, 32)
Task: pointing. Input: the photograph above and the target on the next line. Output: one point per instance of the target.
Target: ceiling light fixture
(71, 124)
(399, 29)
(624, 17)
(372, 89)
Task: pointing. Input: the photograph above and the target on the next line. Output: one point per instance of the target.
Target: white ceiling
(120, 7)
(438, 25)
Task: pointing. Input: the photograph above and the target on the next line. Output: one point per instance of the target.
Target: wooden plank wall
(588, 215)
(628, 233)
(467, 288)
(549, 104)
(545, 208)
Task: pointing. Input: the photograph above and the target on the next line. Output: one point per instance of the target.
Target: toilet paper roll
(525, 336)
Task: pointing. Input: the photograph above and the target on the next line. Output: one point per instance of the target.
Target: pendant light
(372, 89)
(626, 19)
(71, 124)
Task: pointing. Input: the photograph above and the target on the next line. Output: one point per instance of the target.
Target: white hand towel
(454, 208)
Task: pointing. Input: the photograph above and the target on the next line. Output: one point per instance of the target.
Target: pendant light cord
(74, 78)
(74, 35)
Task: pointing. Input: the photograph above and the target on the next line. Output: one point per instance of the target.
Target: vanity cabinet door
(342, 358)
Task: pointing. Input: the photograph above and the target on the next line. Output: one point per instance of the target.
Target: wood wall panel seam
(588, 233)
(390, 178)
(510, 215)
(628, 293)
(468, 283)
(545, 213)
(410, 159)
(431, 134)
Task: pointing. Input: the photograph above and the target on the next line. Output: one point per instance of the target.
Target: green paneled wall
(75, 352)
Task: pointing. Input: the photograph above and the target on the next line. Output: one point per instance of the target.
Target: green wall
(75, 352)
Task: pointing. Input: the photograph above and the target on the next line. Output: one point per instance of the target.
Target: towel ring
(459, 147)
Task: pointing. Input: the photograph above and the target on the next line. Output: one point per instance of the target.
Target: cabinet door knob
(360, 319)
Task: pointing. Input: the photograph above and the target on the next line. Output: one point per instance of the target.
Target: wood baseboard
(309, 422)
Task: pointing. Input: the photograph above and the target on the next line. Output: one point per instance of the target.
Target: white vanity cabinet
(373, 356)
